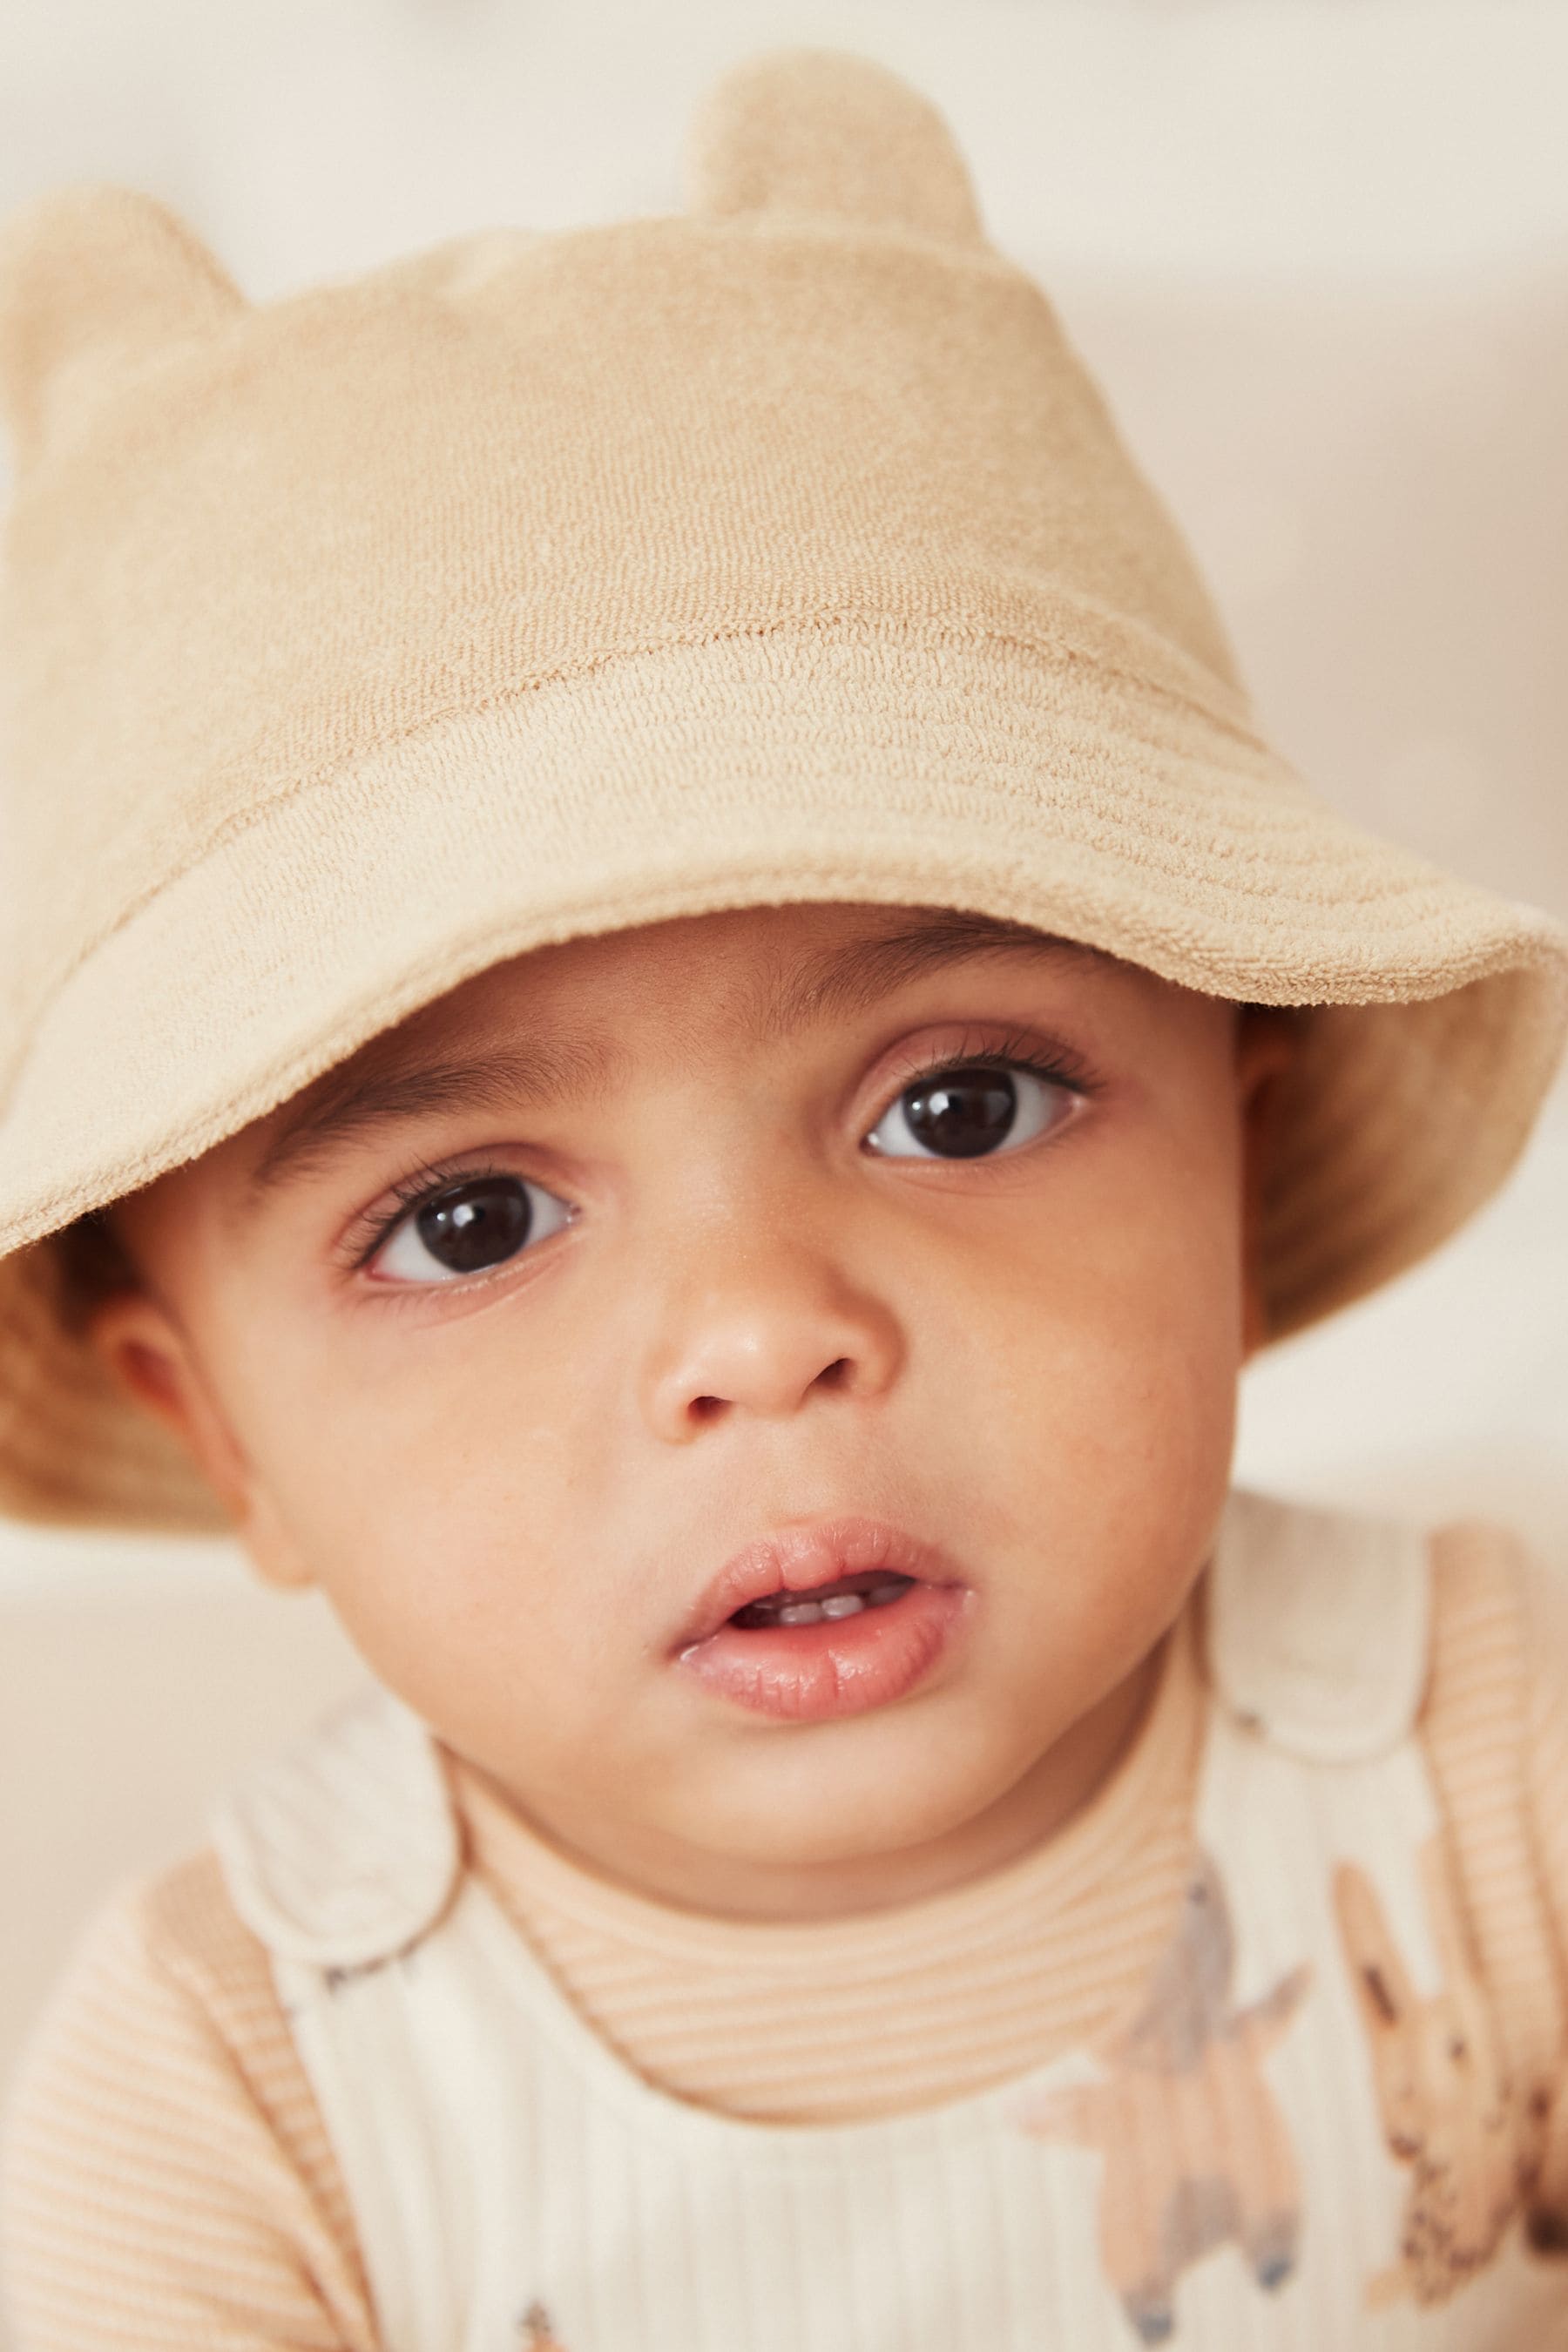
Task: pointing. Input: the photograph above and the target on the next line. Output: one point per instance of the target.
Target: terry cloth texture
(170, 2187)
(539, 585)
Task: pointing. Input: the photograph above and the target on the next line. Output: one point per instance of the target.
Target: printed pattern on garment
(1450, 2114)
(538, 2331)
(1196, 2153)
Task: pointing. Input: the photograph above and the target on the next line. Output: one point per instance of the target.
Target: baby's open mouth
(845, 1596)
(825, 1618)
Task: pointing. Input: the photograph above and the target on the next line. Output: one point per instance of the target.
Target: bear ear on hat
(93, 280)
(828, 132)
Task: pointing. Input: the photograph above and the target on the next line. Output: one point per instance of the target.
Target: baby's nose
(770, 1341)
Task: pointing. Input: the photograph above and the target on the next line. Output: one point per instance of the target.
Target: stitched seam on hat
(232, 828)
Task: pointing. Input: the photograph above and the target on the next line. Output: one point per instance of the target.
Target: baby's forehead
(766, 968)
(578, 1017)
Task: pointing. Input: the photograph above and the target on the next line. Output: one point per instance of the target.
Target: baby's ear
(826, 131)
(1268, 1037)
(142, 1349)
(145, 1350)
(95, 282)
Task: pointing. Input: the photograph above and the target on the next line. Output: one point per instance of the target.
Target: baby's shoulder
(160, 2106)
(183, 1922)
(163, 1981)
(1500, 1625)
(1481, 1555)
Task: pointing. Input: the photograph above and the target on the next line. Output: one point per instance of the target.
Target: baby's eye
(965, 1111)
(467, 1228)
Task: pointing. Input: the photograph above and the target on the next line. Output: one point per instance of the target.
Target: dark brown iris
(962, 1113)
(476, 1226)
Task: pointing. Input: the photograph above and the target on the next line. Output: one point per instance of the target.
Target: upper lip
(795, 1559)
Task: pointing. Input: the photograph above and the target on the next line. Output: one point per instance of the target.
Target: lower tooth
(843, 1604)
(801, 1613)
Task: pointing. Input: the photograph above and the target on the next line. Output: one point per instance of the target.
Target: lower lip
(840, 1665)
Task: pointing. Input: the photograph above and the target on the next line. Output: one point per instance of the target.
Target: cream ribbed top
(170, 2184)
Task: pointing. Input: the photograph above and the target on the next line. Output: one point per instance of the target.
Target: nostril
(835, 1375)
(706, 1408)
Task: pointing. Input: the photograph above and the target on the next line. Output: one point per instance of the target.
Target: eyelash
(1061, 1066)
(423, 1183)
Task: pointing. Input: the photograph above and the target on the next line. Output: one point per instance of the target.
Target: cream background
(1317, 255)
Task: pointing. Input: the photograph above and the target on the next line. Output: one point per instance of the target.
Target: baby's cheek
(487, 1637)
(1154, 1418)
(1115, 1452)
(1119, 1344)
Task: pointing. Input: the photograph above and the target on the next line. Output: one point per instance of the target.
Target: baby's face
(579, 1331)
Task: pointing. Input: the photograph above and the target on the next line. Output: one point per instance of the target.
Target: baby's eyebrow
(499, 1079)
(818, 986)
(852, 978)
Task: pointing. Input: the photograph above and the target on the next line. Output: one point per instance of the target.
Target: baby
(668, 1028)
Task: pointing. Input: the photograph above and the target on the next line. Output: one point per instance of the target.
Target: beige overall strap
(341, 1852)
(1318, 1626)
(342, 1849)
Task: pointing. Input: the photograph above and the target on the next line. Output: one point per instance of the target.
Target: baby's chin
(876, 1798)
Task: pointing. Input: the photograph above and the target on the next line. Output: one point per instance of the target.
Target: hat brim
(893, 762)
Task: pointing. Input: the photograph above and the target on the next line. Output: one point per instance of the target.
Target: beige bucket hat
(538, 585)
